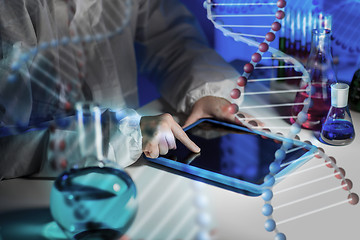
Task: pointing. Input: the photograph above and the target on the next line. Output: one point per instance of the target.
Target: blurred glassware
(322, 75)
(95, 199)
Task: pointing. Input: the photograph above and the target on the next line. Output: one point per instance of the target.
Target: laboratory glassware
(338, 128)
(322, 75)
(95, 199)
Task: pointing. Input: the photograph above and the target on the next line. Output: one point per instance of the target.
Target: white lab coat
(161, 39)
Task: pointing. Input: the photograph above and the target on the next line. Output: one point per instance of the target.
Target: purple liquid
(337, 132)
(319, 109)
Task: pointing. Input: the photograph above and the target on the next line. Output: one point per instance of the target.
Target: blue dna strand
(258, 30)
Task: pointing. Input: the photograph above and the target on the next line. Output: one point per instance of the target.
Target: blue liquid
(94, 203)
(337, 132)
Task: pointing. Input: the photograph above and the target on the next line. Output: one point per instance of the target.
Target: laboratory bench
(167, 208)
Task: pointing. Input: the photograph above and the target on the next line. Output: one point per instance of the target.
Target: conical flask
(338, 128)
(95, 199)
(322, 75)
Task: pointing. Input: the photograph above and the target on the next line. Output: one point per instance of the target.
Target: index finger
(181, 135)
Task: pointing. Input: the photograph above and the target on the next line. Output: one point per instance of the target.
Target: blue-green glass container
(95, 198)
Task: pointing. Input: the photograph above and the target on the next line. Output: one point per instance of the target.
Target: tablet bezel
(231, 183)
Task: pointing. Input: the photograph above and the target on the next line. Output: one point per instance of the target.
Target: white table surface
(166, 201)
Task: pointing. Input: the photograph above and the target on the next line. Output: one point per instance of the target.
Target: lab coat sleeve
(174, 54)
(33, 151)
(121, 139)
(121, 142)
(125, 139)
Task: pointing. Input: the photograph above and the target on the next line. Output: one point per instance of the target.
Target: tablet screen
(230, 152)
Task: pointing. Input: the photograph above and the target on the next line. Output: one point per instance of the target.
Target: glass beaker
(95, 199)
(322, 75)
(338, 128)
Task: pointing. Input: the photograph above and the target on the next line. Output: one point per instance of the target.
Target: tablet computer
(232, 157)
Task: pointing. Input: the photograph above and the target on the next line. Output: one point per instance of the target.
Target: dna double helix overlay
(346, 19)
(267, 95)
(48, 68)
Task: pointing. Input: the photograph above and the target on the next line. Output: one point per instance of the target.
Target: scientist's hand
(216, 107)
(159, 133)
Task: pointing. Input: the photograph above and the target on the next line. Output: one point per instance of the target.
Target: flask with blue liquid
(95, 199)
(338, 128)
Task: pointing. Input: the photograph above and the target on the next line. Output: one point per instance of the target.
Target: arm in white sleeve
(125, 139)
(175, 55)
(220, 89)
(31, 152)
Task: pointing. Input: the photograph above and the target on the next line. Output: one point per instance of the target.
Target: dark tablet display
(231, 152)
(233, 157)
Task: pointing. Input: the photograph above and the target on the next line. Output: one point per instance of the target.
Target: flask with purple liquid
(338, 128)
